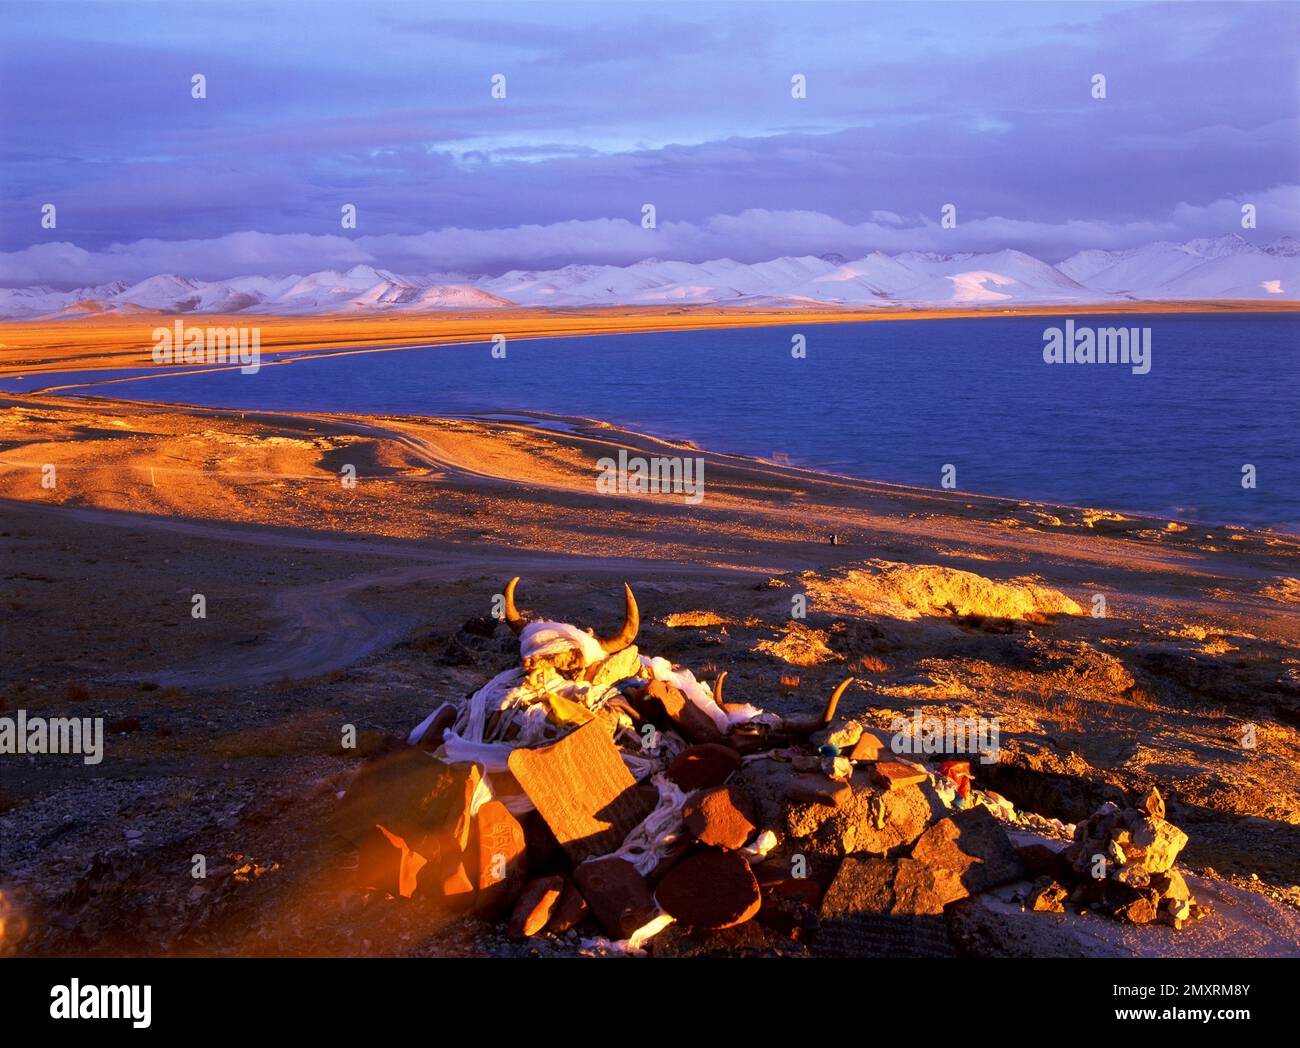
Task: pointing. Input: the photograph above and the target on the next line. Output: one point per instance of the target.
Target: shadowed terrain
(329, 605)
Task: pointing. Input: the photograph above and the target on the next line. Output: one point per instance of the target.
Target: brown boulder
(699, 767)
(968, 852)
(869, 820)
(722, 817)
(714, 889)
(618, 896)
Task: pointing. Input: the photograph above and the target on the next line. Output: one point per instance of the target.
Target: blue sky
(610, 106)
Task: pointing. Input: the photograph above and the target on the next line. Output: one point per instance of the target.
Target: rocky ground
(329, 607)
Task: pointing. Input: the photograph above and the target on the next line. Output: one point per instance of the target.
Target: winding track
(322, 627)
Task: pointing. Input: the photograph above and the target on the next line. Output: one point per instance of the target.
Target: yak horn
(717, 688)
(828, 714)
(513, 619)
(631, 623)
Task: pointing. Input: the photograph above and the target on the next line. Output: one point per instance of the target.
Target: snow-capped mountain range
(1228, 267)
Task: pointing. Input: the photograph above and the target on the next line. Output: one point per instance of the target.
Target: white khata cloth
(552, 638)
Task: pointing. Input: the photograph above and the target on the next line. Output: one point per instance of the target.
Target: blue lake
(893, 401)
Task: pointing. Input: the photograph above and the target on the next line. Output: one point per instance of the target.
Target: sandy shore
(331, 605)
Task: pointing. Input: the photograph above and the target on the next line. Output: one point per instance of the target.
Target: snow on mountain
(1287, 247)
(455, 296)
(1227, 267)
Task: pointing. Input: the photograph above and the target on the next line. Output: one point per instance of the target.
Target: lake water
(893, 401)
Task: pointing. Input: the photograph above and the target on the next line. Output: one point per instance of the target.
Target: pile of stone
(610, 798)
(1121, 863)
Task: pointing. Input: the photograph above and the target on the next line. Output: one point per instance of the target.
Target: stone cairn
(607, 797)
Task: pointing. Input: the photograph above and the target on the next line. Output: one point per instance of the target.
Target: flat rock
(618, 896)
(894, 775)
(714, 889)
(815, 788)
(968, 852)
(698, 767)
(882, 908)
(583, 790)
(722, 817)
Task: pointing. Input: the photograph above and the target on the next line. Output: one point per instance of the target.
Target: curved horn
(513, 619)
(828, 714)
(717, 688)
(631, 623)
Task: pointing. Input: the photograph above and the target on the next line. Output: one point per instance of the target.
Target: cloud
(987, 107)
(751, 235)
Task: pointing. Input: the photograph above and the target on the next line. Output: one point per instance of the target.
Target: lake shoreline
(110, 342)
(661, 442)
(890, 406)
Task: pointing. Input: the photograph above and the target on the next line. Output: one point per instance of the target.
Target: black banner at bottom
(495, 998)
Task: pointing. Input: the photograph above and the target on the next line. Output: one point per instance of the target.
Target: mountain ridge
(1227, 267)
